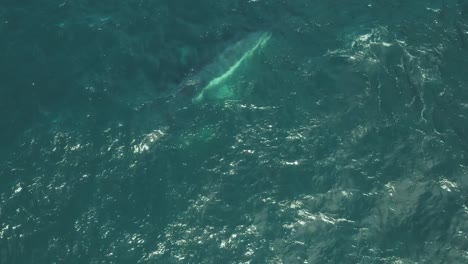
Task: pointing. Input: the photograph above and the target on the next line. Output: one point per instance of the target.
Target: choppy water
(347, 142)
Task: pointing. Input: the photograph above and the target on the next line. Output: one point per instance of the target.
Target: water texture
(342, 139)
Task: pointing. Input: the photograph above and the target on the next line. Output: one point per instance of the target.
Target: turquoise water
(327, 131)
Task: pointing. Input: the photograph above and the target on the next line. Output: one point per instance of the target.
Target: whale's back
(224, 64)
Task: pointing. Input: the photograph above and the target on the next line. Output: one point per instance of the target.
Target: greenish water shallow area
(234, 131)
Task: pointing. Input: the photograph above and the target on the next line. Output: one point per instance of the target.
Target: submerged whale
(217, 80)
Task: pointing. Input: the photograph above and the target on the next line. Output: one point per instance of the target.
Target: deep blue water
(342, 139)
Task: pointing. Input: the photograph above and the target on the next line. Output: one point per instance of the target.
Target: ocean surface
(233, 131)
